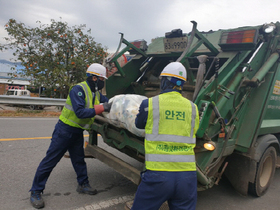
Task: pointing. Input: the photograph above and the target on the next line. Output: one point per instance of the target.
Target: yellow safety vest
(170, 130)
(68, 115)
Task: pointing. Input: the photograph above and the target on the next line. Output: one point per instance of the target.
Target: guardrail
(23, 100)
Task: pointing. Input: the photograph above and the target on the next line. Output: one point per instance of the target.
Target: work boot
(86, 189)
(37, 200)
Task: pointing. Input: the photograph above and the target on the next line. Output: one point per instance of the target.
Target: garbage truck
(233, 76)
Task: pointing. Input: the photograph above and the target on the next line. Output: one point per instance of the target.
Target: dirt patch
(24, 113)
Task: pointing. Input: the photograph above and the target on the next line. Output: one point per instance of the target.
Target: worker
(82, 104)
(170, 122)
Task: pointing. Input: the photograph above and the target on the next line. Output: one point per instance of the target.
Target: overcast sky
(138, 19)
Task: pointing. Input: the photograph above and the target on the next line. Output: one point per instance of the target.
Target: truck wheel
(264, 173)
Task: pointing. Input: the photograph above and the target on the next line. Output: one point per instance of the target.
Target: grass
(28, 113)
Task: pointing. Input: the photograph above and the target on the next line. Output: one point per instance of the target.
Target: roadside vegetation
(54, 56)
(19, 112)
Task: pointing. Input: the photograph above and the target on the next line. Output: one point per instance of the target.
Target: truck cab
(24, 93)
(16, 92)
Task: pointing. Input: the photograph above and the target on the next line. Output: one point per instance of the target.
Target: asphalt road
(23, 143)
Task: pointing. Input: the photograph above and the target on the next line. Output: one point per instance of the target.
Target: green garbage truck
(233, 78)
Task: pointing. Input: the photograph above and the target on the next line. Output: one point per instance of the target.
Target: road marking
(107, 203)
(32, 138)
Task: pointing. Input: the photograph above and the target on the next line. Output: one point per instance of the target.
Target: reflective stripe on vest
(68, 106)
(178, 154)
(171, 158)
(68, 115)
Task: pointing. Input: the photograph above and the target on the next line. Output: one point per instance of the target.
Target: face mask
(95, 85)
(100, 84)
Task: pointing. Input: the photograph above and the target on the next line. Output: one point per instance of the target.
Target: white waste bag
(123, 112)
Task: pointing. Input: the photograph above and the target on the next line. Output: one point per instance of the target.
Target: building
(7, 82)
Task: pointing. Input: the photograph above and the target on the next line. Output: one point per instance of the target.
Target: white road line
(107, 203)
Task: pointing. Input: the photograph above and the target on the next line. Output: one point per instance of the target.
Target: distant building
(6, 82)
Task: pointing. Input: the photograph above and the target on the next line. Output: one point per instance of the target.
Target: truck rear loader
(233, 78)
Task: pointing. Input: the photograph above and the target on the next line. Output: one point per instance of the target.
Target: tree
(55, 56)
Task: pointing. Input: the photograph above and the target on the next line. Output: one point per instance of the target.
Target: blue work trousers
(179, 189)
(62, 140)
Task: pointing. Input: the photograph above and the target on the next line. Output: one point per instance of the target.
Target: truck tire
(264, 172)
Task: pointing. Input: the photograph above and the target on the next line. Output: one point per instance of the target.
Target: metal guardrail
(23, 100)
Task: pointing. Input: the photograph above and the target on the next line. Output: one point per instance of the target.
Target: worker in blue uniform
(170, 122)
(82, 104)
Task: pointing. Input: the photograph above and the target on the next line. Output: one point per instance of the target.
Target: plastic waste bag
(123, 112)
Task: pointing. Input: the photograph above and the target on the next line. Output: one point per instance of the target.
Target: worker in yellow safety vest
(170, 122)
(82, 104)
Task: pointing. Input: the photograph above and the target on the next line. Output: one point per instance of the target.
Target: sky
(138, 19)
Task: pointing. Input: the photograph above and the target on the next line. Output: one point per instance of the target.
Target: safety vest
(170, 133)
(68, 115)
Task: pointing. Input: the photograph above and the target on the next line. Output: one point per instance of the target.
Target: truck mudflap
(240, 171)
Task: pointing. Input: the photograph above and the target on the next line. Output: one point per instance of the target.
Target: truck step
(114, 162)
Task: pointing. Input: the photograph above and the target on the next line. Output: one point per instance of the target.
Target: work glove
(105, 107)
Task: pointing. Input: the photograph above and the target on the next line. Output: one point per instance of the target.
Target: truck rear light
(238, 37)
(238, 40)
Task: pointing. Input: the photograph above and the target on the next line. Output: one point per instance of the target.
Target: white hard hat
(97, 69)
(175, 69)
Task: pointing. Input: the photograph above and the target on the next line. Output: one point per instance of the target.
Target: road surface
(23, 143)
